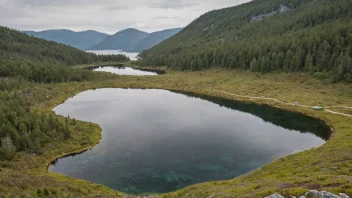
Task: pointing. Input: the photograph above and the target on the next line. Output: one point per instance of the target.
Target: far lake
(131, 55)
(157, 141)
(127, 71)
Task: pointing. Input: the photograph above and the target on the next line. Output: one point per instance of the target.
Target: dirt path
(338, 113)
(345, 107)
(293, 104)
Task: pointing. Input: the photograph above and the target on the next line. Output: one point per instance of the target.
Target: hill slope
(80, 40)
(39, 60)
(154, 38)
(263, 35)
(123, 40)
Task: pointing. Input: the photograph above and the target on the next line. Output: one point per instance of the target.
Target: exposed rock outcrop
(314, 194)
(282, 9)
(275, 196)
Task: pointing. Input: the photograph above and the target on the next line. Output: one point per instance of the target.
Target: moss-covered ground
(328, 167)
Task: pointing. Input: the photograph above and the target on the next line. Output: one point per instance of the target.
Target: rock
(324, 194)
(335, 168)
(296, 103)
(317, 194)
(283, 9)
(275, 196)
(343, 195)
(312, 194)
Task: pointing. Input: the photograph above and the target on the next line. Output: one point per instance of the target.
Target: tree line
(23, 60)
(38, 60)
(22, 129)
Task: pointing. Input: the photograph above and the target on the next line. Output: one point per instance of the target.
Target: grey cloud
(105, 15)
(167, 17)
(116, 7)
(174, 4)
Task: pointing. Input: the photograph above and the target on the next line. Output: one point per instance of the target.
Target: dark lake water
(128, 71)
(159, 141)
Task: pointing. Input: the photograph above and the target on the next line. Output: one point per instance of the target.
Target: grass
(294, 174)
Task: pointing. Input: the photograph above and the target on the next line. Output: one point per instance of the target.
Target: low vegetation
(35, 76)
(327, 167)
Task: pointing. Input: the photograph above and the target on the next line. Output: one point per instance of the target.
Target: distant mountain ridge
(81, 40)
(134, 40)
(122, 40)
(154, 38)
(130, 39)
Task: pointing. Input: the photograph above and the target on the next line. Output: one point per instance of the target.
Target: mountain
(154, 38)
(80, 40)
(123, 40)
(264, 35)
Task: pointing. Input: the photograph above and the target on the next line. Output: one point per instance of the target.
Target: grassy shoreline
(289, 175)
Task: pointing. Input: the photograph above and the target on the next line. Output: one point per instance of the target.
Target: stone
(275, 196)
(312, 194)
(302, 196)
(324, 194)
(343, 195)
(296, 103)
(283, 9)
(335, 168)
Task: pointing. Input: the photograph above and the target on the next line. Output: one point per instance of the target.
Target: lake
(157, 141)
(128, 71)
(131, 55)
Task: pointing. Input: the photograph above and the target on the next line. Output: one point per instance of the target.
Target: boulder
(322, 194)
(275, 196)
(343, 195)
(312, 194)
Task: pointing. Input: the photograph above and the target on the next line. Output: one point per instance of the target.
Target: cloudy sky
(107, 16)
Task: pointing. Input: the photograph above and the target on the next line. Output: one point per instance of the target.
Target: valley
(263, 182)
(251, 99)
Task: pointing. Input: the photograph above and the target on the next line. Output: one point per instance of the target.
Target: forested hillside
(25, 59)
(154, 38)
(38, 60)
(80, 40)
(21, 129)
(277, 35)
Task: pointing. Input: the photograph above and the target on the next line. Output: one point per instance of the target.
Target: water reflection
(158, 141)
(122, 70)
(288, 120)
(131, 55)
